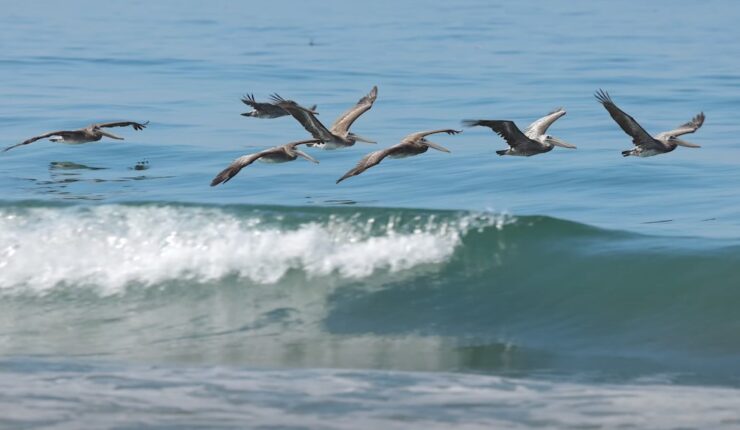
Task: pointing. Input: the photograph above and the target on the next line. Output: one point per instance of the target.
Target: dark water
(573, 289)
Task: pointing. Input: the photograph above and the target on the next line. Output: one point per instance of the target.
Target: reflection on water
(70, 180)
(340, 202)
(140, 165)
(71, 165)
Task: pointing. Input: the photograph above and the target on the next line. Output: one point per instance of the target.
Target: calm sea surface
(461, 290)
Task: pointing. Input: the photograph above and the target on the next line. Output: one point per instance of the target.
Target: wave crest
(113, 246)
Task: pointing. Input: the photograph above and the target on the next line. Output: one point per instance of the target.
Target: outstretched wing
(539, 127)
(626, 122)
(61, 133)
(344, 122)
(305, 117)
(135, 125)
(506, 129)
(236, 166)
(368, 161)
(302, 142)
(415, 137)
(687, 128)
(267, 108)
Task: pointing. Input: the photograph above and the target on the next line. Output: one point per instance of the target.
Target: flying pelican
(339, 135)
(646, 145)
(91, 133)
(265, 109)
(278, 154)
(533, 141)
(413, 144)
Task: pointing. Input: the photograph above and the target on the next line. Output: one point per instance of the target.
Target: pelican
(339, 135)
(533, 141)
(91, 133)
(265, 109)
(413, 144)
(278, 154)
(646, 145)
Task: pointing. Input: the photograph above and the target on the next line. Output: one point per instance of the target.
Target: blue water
(574, 288)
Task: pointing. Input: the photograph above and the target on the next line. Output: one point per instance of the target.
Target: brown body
(91, 133)
(338, 136)
(413, 144)
(278, 154)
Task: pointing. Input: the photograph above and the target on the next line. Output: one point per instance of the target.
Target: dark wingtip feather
(138, 126)
(248, 99)
(349, 174)
(276, 98)
(225, 175)
(603, 96)
(218, 180)
(472, 122)
(699, 119)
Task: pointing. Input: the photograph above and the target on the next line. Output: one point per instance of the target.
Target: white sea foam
(348, 399)
(113, 246)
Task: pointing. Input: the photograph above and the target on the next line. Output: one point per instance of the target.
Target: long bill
(306, 156)
(112, 136)
(557, 142)
(680, 142)
(358, 138)
(436, 146)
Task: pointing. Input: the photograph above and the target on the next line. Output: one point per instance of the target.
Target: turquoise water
(574, 288)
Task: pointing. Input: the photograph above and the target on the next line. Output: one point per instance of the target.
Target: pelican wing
(302, 142)
(687, 128)
(539, 127)
(268, 108)
(237, 165)
(135, 125)
(304, 116)
(370, 160)
(61, 133)
(416, 137)
(628, 124)
(344, 122)
(506, 129)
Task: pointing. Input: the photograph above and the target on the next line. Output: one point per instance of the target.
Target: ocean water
(574, 289)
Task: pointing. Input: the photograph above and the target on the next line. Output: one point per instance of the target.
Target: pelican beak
(362, 139)
(680, 142)
(557, 142)
(112, 136)
(306, 156)
(248, 113)
(436, 146)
